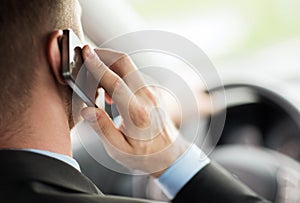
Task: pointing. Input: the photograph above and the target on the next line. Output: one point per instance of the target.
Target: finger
(97, 68)
(118, 62)
(104, 127)
(122, 65)
(110, 81)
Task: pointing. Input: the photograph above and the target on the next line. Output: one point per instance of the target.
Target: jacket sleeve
(215, 184)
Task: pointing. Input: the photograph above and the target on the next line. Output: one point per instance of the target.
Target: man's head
(29, 45)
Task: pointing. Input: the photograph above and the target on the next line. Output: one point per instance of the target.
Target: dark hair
(24, 30)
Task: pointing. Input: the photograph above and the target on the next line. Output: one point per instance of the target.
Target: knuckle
(117, 83)
(100, 65)
(142, 113)
(123, 59)
(140, 116)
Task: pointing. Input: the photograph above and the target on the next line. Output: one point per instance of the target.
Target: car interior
(260, 139)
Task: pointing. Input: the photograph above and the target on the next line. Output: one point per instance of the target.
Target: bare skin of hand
(147, 139)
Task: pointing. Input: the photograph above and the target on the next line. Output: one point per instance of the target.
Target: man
(36, 118)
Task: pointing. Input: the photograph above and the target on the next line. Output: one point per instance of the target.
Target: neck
(46, 126)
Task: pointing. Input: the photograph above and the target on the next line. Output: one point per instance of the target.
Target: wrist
(182, 170)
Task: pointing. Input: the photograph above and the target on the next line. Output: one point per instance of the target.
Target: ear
(54, 55)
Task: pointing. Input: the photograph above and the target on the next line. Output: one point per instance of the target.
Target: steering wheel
(262, 124)
(260, 114)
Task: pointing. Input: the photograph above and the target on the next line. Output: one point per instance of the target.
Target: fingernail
(90, 114)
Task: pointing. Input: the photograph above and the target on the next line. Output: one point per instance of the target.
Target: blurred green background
(227, 27)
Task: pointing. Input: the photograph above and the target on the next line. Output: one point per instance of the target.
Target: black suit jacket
(30, 177)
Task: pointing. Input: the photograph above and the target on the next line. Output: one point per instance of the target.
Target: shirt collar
(68, 160)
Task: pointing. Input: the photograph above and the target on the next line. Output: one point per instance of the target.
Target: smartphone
(73, 69)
